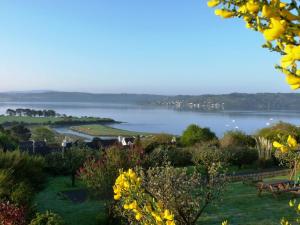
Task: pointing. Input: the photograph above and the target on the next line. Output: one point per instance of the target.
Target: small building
(34, 147)
(126, 141)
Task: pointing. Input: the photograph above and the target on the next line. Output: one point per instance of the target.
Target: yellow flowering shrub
(279, 23)
(139, 206)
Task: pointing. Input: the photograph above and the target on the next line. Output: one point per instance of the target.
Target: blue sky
(132, 46)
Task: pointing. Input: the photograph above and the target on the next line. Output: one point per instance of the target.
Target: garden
(197, 178)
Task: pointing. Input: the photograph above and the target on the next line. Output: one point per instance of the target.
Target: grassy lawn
(101, 130)
(241, 205)
(73, 213)
(47, 120)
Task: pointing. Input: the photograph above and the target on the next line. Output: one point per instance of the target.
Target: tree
(7, 142)
(20, 132)
(195, 134)
(74, 159)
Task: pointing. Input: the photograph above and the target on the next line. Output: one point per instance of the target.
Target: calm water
(149, 119)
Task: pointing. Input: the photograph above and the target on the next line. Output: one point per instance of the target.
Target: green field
(51, 120)
(239, 205)
(87, 213)
(101, 130)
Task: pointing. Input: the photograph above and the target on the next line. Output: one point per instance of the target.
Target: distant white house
(126, 141)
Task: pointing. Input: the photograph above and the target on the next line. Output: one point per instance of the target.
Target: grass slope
(101, 130)
(86, 213)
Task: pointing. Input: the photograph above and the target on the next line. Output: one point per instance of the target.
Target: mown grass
(241, 205)
(101, 130)
(87, 213)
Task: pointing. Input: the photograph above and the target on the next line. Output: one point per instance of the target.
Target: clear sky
(132, 46)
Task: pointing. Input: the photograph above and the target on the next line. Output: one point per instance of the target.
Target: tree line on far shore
(32, 112)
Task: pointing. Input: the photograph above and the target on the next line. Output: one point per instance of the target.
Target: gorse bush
(278, 21)
(23, 167)
(166, 195)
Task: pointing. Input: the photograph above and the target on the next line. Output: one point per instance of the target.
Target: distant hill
(52, 96)
(234, 101)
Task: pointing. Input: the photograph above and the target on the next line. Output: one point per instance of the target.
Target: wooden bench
(278, 187)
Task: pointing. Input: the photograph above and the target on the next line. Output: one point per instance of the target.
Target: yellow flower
(138, 216)
(117, 197)
(133, 205)
(252, 7)
(292, 143)
(225, 222)
(299, 207)
(213, 3)
(224, 13)
(267, 11)
(170, 223)
(292, 203)
(293, 80)
(277, 28)
(168, 215)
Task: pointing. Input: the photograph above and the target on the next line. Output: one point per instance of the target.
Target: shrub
(177, 156)
(47, 218)
(24, 167)
(166, 195)
(236, 139)
(279, 131)
(20, 132)
(22, 194)
(7, 142)
(195, 134)
(100, 174)
(55, 164)
(11, 214)
(242, 156)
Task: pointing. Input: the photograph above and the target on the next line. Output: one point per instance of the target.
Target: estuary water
(156, 119)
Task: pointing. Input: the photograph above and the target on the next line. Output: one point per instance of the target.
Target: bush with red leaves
(11, 214)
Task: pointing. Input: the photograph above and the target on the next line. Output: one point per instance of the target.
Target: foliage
(242, 156)
(265, 152)
(7, 142)
(20, 132)
(47, 218)
(20, 167)
(206, 157)
(74, 158)
(278, 131)
(55, 164)
(100, 174)
(177, 156)
(11, 214)
(185, 195)
(21, 194)
(236, 139)
(277, 21)
(195, 134)
(43, 133)
(137, 204)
